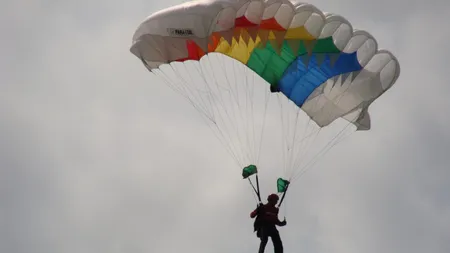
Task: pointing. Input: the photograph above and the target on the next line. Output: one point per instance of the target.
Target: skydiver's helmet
(273, 198)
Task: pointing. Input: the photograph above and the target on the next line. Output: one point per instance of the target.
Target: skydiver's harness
(260, 224)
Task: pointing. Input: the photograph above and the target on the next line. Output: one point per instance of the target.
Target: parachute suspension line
(256, 190)
(286, 133)
(224, 107)
(235, 118)
(266, 103)
(161, 75)
(201, 110)
(240, 112)
(256, 147)
(256, 139)
(290, 131)
(200, 100)
(253, 143)
(340, 136)
(202, 75)
(305, 148)
(205, 117)
(258, 144)
(283, 135)
(248, 119)
(242, 122)
(189, 92)
(219, 133)
(292, 144)
(198, 90)
(300, 159)
(219, 98)
(249, 123)
(292, 152)
(306, 143)
(336, 140)
(236, 115)
(165, 79)
(182, 88)
(227, 146)
(243, 114)
(300, 162)
(333, 142)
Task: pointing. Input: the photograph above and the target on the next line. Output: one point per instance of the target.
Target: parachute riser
(283, 186)
(257, 186)
(256, 189)
(282, 197)
(249, 171)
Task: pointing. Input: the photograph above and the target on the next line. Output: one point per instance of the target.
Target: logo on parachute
(180, 32)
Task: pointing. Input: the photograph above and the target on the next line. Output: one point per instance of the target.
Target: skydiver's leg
(264, 239)
(276, 240)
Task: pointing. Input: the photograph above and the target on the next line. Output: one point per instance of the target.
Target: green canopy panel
(282, 185)
(249, 170)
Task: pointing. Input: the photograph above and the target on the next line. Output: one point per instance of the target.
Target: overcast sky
(98, 156)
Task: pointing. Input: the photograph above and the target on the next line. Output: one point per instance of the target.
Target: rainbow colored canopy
(315, 59)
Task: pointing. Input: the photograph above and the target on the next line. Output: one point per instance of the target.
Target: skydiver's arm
(256, 211)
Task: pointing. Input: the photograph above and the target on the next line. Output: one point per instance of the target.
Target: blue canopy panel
(300, 79)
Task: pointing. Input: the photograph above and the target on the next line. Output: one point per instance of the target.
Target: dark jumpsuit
(265, 225)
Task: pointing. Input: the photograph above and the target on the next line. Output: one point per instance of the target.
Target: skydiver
(265, 224)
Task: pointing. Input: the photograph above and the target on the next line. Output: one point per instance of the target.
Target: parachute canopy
(315, 59)
(229, 57)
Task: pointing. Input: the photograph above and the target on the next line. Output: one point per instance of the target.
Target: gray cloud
(98, 156)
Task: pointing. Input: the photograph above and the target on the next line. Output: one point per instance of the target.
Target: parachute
(230, 58)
